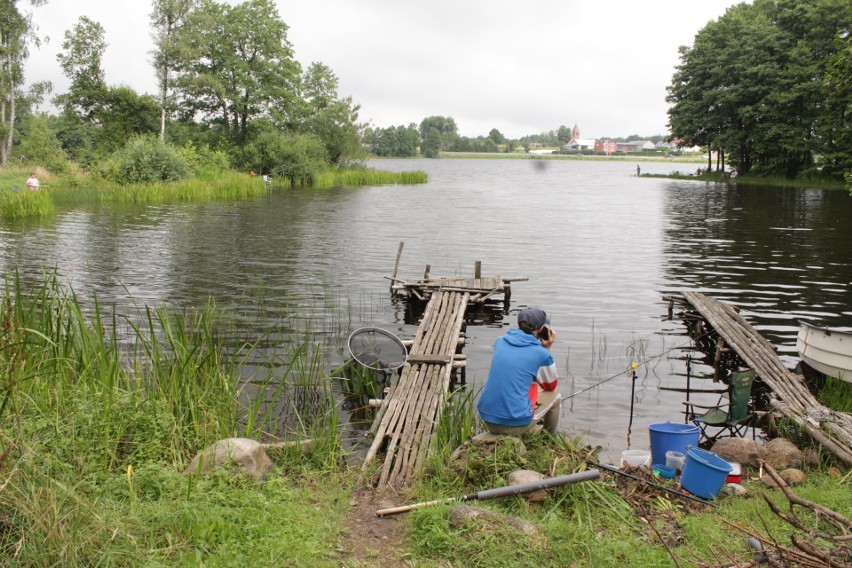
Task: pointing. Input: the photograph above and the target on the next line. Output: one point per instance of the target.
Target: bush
(203, 159)
(299, 158)
(146, 160)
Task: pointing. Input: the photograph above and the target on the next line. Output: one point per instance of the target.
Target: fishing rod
(652, 484)
(500, 491)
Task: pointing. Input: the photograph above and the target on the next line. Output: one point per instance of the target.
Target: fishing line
(645, 362)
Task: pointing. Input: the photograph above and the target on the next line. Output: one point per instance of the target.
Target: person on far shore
(510, 403)
(638, 171)
(32, 182)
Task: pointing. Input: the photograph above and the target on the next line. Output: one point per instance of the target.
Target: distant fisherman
(32, 182)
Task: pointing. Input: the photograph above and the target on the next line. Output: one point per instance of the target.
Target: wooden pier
(480, 288)
(723, 334)
(408, 417)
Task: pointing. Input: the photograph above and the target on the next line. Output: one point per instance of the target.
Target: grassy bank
(805, 183)
(16, 202)
(100, 413)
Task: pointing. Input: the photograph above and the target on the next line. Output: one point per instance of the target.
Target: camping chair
(731, 414)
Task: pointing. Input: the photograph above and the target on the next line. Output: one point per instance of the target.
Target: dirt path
(370, 540)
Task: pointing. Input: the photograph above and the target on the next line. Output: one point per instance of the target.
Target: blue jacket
(519, 358)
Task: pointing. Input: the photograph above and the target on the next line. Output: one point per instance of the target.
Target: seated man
(510, 403)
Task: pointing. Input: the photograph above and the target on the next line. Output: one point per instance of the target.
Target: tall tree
(167, 19)
(17, 32)
(238, 66)
(334, 120)
(81, 60)
(447, 130)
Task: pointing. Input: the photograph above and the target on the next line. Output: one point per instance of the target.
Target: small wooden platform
(408, 418)
(480, 288)
(721, 325)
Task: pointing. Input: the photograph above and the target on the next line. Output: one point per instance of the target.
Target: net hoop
(377, 349)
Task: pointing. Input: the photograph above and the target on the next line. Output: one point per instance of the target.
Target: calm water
(600, 247)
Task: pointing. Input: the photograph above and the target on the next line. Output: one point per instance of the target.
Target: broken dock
(405, 424)
(730, 341)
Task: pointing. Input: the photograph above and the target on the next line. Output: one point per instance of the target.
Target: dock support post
(477, 269)
(396, 265)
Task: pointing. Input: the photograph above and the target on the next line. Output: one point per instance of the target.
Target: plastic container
(663, 471)
(704, 473)
(635, 458)
(736, 475)
(675, 460)
(666, 436)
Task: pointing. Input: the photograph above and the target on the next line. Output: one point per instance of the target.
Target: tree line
(767, 87)
(230, 89)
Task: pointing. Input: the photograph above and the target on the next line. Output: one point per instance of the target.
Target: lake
(601, 247)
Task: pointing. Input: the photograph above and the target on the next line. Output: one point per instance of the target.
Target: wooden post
(426, 272)
(398, 254)
(717, 371)
(477, 269)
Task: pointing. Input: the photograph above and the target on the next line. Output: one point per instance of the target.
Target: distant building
(605, 146)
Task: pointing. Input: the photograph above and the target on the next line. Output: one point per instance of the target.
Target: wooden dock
(730, 340)
(480, 288)
(408, 417)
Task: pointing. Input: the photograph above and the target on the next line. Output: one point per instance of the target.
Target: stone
(734, 489)
(793, 476)
(487, 438)
(741, 450)
(462, 515)
(781, 454)
(247, 454)
(522, 476)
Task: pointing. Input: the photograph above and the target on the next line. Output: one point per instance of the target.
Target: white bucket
(675, 459)
(635, 458)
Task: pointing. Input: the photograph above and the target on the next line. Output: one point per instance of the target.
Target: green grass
(359, 176)
(100, 412)
(17, 203)
(803, 183)
(836, 394)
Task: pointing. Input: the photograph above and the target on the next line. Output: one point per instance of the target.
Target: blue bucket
(704, 473)
(666, 436)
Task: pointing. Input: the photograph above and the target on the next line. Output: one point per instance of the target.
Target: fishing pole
(500, 491)
(652, 484)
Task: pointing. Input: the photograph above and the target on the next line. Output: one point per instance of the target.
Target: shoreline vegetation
(16, 202)
(100, 413)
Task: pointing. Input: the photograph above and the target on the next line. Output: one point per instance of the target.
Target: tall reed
(361, 176)
(24, 203)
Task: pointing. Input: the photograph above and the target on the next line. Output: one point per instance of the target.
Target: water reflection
(600, 247)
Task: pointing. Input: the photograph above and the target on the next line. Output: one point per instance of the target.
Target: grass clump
(100, 414)
(361, 176)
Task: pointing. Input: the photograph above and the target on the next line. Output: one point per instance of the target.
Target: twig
(835, 519)
(659, 536)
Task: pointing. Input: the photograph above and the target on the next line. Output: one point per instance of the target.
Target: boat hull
(826, 350)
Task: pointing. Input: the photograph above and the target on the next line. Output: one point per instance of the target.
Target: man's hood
(520, 338)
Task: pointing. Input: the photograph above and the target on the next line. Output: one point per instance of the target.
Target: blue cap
(532, 318)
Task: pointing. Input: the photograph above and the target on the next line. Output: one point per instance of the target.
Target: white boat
(826, 350)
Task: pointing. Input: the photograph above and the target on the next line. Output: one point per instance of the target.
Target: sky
(522, 67)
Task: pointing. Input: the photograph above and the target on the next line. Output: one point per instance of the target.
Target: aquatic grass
(24, 203)
(836, 394)
(362, 176)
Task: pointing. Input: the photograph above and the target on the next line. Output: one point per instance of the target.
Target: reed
(23, 204)
(361, 176)
(836, 394)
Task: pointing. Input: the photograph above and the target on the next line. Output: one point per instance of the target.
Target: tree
(167, 19)
(237, 66)
(81, 61)
(299, 158)
(755, 86)
(446, 127)
(496, 136)
(17, 32)
(332, 119)
(431, 142)
(395, 141)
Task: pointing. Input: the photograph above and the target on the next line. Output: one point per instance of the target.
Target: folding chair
(731, 414)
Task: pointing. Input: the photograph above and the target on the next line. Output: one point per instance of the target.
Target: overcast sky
(523, 67)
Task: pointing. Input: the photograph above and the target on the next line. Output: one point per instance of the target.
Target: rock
(522, 476)
(734, 489)
(740, 450)
(781, 454)
(250, 455)
(811, 457)
(793, 476)
(487, 438)
(461, 516)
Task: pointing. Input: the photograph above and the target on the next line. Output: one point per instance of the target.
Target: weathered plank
(405, 426)
(789, 394)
